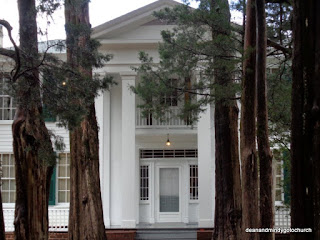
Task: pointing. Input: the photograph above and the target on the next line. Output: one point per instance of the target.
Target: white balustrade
(58, 219)
(170, 118)
(282, 217)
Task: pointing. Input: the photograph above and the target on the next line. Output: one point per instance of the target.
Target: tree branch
(8, 53)
(17, 50)
(270, 43)
(279, 47)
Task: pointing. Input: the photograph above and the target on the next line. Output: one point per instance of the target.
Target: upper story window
(171, 99)
(8, 185)
(7, 103)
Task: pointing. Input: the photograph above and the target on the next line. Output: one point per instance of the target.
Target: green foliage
(199, 52)
(48, 6)
(279, 16)
(67, 93)
(279, 104)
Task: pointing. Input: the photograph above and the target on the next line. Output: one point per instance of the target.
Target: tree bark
(34, 158)
(265, 156)
(250, 194)
(301, 132)
(316, 137)
(228, 188)
(227, 224)
(86, 215)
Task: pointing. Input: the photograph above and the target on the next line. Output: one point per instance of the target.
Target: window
(63, 170)
(171, 98)
(279, 181)
(144, 183)
(7, 104)
(174, 153)
(193, 182)
(8, 187)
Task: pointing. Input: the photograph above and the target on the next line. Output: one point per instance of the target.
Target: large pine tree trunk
(265, 156)
(31, 142)
(86, 216)
(227, 220)
(316, 137)
(250, 194)
(228, 189)
(301, 132)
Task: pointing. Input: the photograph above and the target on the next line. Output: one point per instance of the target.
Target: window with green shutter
(48, 117)
(52, 194)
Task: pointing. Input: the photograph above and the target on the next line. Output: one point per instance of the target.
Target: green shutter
(48, 117)
(52, 195)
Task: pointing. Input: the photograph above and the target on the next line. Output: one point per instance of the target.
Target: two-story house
(144, 180)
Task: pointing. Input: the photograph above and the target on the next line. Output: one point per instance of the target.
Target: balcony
(170, 120)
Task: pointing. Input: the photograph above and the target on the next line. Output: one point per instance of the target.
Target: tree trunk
(301, 133)
(316, 137)
(32, 147)
(265, 156)
(86, 216)
(250, 194)
(227, 223)
(228, 189)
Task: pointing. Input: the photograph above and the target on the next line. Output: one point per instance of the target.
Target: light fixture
(168, 143)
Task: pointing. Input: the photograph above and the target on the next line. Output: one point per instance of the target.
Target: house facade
(143, 180)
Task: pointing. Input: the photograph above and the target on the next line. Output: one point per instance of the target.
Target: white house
(143, 180)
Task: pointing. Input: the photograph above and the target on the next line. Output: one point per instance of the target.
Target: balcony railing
(282, 217)
(58, 219)
(170, 119)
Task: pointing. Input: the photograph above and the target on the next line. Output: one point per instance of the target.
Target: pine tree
(265, 156)
(34, 157)
(86, 215)
(305, 120)
(201, 46)
(249, 160)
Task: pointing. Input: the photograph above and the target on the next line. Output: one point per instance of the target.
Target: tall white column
(206, 167)
(102, 104)
(128, 163)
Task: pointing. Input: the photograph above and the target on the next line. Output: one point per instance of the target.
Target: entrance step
(166, 234)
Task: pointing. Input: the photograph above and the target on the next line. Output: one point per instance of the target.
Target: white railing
(170, 118)
(58, 219)
(282, 217)
(8, 215)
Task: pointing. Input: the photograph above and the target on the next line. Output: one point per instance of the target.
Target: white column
(102, 104)
(206, 168)
(128, 163)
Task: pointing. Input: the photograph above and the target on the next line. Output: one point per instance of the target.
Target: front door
(169, 194)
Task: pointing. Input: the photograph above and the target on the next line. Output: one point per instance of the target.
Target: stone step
(166, 234)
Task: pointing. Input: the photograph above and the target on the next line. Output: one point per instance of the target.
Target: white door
(169, 202)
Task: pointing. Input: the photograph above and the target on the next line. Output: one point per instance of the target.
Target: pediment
(132, 23)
